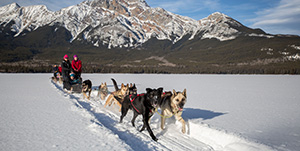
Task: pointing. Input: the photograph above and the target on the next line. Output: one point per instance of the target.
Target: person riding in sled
(76, 66)
(56, 71)
(59, 69)
(66, 70)
(73, 79)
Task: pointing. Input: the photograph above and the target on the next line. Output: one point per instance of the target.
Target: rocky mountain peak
(217, 16)
(12, 6)
(9, 8)
(123, 7)
(119, 23)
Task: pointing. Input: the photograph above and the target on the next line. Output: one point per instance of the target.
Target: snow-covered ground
(223, 112)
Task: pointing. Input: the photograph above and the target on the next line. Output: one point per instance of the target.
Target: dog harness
(115, 95)
(132, 99)
(164, 93)
(163, 115)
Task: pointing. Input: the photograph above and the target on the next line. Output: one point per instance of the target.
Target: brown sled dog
(102, 91)
(117, 96)
(60, 80)
(172, 104)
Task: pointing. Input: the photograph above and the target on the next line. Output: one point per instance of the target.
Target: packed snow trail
(109, 118)
(199, 137)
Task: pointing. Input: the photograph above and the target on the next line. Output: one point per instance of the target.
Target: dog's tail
(115, 84)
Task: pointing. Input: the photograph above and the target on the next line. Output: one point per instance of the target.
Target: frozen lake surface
(223, 112)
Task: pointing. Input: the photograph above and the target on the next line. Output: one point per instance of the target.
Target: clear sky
(273, 16)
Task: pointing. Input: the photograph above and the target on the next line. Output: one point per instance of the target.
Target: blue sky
(273, 16)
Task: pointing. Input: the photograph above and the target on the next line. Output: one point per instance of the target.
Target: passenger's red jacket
(76, 65)
(59, 69)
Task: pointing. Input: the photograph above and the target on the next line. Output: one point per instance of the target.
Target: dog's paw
(155, 139)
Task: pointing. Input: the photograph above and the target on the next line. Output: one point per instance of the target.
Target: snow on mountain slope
(119, 23)
(25, 18)
(216, 25)
(44, 117)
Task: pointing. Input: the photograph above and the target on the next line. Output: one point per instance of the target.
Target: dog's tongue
(180, 109)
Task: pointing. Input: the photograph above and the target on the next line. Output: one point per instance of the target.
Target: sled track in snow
(199, 137)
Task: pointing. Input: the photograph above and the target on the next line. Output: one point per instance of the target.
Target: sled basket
(77, 88)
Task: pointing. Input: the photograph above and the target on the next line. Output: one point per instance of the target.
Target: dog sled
(71, 86)
(76, 87)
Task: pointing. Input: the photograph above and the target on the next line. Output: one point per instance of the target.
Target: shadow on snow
(191, 113)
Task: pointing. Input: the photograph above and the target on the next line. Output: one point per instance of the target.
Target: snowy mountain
(119, 23)
(131, 36)
(25, 18)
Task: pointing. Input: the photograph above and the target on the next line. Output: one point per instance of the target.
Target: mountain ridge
(120, 23)
(130, 36)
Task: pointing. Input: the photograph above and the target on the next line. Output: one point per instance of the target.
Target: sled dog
(118, 95)
(132, 89)
(86, 87)
(102, 91)
(172, 104)
(142, 104)
(55, 79)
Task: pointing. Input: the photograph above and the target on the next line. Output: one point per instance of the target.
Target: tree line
(158, 70)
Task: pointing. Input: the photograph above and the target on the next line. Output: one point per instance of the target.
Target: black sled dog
(87, 87)
(142, 104)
